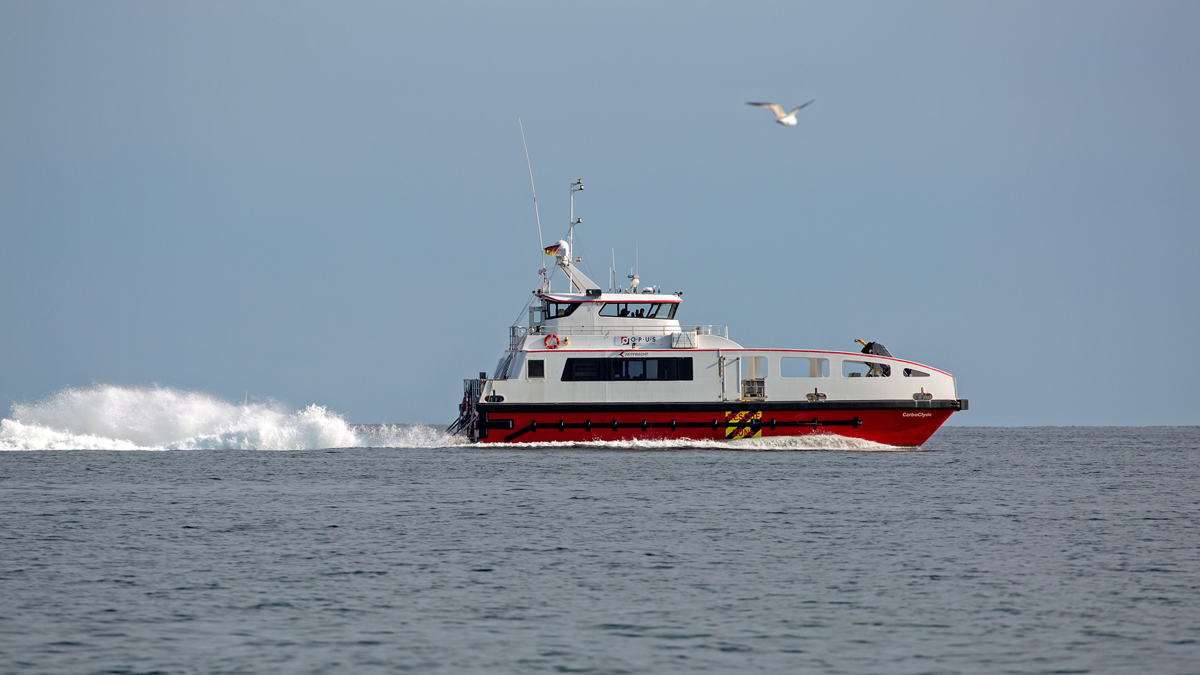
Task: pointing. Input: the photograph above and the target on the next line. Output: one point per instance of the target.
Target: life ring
(551, 341)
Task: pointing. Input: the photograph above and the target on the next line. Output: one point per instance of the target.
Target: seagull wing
(780, 112)
(775, 107)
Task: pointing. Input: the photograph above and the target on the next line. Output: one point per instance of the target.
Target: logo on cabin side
(637, 339)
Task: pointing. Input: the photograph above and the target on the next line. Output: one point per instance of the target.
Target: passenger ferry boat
(607, 366)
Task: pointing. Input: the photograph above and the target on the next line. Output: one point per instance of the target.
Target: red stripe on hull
(906, 427)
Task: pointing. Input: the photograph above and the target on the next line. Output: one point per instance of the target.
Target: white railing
(517, 333)
(711, 329)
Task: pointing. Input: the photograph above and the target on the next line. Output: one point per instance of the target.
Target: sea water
(1014, 550)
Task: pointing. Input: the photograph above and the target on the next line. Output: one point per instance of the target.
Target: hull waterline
(899, 424)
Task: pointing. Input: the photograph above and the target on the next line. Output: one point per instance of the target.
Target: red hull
(893, 425)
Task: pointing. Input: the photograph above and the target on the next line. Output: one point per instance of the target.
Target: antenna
(536, 215)
(633, 271)
(577, 186)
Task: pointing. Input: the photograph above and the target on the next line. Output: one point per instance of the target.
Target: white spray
(105, 417)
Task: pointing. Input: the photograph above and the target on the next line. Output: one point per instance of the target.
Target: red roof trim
(676, 301)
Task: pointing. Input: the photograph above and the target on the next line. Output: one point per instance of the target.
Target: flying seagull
(788, 120)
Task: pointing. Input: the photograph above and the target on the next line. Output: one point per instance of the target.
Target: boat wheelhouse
(591, 365)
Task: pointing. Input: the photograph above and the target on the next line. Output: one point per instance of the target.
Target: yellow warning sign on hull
(743, 417)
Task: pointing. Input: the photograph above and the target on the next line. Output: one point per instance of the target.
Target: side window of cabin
(912, 372)
(684, 365)
(622, 370)
(536, 369)
(639, 310)
(791, 366)
(582, 370)
(628, 369)
(557, 310)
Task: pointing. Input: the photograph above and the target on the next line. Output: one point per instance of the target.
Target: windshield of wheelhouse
(640, 310)
(558, 310)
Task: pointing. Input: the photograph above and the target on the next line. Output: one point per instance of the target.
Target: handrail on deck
(517, 334)
(711, 329)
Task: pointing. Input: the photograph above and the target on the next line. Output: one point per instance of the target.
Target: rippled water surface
(1047, 550)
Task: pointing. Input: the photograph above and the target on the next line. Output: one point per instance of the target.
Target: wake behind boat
(592, 365)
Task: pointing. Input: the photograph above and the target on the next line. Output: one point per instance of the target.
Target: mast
(577, 186)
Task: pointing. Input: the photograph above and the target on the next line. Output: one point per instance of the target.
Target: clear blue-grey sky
(328, 203)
